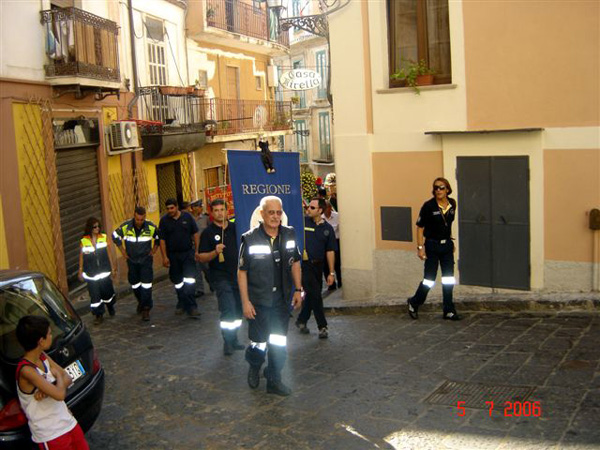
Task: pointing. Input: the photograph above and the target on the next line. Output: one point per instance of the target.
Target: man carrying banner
(269, 276)
(218, 248)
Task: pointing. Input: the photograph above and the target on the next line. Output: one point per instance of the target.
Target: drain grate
(474, 395)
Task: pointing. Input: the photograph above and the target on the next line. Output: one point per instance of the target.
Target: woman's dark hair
(443, 180)
(89, 226)
(30, 330)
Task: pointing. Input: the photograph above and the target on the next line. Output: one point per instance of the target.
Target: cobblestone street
(170, 387)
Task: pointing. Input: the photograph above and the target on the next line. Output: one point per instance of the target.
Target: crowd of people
(264, 282)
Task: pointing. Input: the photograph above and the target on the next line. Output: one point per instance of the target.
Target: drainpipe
(133, 60)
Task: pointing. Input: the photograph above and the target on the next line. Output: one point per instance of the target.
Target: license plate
(75, 370)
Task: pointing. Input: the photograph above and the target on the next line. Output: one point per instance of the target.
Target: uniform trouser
(101, 292)
(442, 254)
(201, 269)
(268, 331)
(140, 277)
(230, 306)
(182, 272)
(312, 282)
(337, 266)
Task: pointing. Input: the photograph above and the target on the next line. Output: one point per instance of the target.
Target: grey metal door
(493, 194)
(79, 199)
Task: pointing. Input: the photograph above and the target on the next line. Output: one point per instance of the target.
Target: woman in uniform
(96, 268)
(435, 246)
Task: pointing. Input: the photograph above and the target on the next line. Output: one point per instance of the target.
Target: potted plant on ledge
(415, 74)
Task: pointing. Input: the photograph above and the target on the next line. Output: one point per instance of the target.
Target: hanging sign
(300, 79)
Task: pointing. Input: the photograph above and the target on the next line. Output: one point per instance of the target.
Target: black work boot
(253, 376)
(227, 348)
(275, 385)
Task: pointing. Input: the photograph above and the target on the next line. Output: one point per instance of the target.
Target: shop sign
(300, 79)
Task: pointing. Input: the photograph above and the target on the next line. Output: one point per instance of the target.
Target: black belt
(314, 261)
(439, 241)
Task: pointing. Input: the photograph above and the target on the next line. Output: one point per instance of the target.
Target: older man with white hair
(270, 281)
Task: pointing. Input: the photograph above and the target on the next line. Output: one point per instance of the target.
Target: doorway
(493, 207)
(168, 178)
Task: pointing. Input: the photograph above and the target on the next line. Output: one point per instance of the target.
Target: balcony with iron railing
(178, 119)
(254, 25)
(247, 116)
(82, 48)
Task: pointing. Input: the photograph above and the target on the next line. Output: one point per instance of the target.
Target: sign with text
(250, 182)
(300, 79)
(223, 192)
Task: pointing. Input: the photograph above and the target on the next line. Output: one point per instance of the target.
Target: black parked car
(30, 293)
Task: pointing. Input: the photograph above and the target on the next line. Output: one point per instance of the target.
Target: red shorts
(73, 440)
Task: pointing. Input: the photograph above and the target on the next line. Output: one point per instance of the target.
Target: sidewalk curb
(472, 306)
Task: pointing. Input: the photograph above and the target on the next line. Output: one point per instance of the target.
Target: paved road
(169, 387)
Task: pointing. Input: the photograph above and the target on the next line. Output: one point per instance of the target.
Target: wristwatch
(419, 247)
(332, 273)
(299, 290)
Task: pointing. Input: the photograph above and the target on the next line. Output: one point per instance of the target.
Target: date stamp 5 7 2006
(511, 409)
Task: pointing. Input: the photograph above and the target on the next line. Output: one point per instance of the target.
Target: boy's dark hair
(170, 201)
(30, 330)
(140, 210)
(218, 201)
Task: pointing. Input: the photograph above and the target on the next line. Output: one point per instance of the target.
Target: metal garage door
(493, 206)
(79, 198)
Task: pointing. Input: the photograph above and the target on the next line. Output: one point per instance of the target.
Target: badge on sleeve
(326, 233)
(217, 237)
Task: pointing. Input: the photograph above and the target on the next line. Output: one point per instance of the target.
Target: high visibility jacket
(138, 247)
(96, 264)
(257, 258)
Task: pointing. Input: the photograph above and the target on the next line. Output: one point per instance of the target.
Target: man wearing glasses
(320, 245)
(269, 277)
(178, 242)
(435, 225)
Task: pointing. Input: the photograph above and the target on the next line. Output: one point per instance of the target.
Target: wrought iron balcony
(246, 116)
(81, 44)
(242, 18)
(173, 120)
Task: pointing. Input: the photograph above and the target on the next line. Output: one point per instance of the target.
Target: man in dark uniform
(178, 240)
(269, 271)
(141, 243)
(320, 245)
(218, 248)
(201, 268)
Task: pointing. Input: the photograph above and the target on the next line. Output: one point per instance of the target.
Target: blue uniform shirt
(318, 239)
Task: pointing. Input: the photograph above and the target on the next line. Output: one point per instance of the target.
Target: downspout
(133, 60)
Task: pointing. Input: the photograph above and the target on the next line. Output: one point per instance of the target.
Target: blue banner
(250, 182)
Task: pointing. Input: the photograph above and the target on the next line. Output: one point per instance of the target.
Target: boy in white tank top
(42, 389)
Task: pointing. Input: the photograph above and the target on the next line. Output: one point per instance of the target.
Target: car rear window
(32, 296)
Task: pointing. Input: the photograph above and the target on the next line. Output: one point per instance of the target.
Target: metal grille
(167, 184)
(126, 194)
(476, 395)
(187, 179)
(117, 199)
(39, 192)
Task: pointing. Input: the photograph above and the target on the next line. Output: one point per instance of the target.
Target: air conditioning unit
(124, 135)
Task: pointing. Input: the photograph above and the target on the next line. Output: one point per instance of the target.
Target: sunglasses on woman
(439, 188)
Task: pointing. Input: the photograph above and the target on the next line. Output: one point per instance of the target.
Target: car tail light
(12, 416)
(96, 366)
